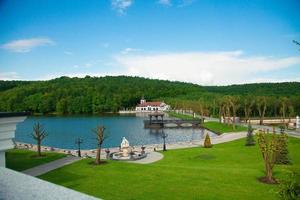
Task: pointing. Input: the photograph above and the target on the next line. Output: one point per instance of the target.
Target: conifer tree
(207, 142)
(250, 137)
(283, 152)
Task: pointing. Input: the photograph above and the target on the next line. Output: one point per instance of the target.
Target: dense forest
(66, 95)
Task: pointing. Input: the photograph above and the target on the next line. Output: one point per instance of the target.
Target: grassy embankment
(226, 171)
(21, 159)
(215, 127)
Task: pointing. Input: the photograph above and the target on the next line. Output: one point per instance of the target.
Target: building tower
(143, 101)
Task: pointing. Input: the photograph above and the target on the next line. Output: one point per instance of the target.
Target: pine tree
(207, 142)
(283, 153)
(250, 137)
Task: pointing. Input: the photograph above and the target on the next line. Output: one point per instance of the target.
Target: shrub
(282, 156)
(290, 189)
(207, 142)
(250, 137)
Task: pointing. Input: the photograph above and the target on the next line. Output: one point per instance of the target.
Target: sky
(207, 42)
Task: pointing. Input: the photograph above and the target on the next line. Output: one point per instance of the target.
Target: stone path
(42, 169)
(151, 158)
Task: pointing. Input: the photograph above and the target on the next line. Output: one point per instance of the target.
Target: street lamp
(79, 141)
(164, 136)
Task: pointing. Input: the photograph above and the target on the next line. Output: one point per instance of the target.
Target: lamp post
(79, 141)
(164, 136)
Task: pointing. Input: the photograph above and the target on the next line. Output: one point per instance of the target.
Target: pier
(156, 120)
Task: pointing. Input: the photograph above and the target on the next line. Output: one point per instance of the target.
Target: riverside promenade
(226, 137)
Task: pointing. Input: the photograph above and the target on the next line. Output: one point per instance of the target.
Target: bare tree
(101, 135)
(39, 135)
(283, 109)
(227, 108)
(234, 103)
(297, 43)
(248, 105)
(261, 105)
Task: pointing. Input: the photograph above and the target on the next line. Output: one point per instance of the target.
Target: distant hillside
(109, 94)
(280, 89)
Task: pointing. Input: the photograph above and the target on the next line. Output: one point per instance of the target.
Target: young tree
(261, 105)
(207, 142)
(101, 135)
(39, 135)
(269, 147)
(250, 137)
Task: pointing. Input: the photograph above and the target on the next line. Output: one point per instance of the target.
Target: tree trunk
(228, 116)
(220, 114)
(97, 161)
(233, 124)
(269, 173)
(39, 148)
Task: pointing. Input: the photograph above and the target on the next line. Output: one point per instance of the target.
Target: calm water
(63, 130)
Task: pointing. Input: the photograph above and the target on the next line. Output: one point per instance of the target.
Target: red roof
(149, 104)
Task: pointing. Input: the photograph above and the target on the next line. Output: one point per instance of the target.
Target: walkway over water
(172, 123)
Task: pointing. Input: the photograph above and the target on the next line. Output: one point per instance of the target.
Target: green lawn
(181, 116)
(220, 128)
(226, 171)
(20, 159)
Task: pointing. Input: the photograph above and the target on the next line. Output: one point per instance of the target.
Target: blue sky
(213, 42)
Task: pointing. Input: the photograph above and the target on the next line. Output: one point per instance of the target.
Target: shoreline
(225, 137)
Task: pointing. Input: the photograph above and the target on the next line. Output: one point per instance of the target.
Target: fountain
(126, 152)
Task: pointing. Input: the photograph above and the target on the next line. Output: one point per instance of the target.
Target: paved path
(277, 129)
(42, 169)
(151, 158)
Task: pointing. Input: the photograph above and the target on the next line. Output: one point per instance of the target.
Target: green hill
(110, 94)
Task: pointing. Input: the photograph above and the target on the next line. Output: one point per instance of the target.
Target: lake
(63, 130)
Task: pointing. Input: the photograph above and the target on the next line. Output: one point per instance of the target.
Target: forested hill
(110, 94)
(280, 89)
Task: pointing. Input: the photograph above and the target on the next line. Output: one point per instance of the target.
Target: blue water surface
(63, 130)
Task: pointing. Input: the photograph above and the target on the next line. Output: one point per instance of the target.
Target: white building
(145, 106)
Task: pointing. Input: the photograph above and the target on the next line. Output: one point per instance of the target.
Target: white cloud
(207, 68)
(9, 76)
(26, 45)
(121, 5)
(165, 2)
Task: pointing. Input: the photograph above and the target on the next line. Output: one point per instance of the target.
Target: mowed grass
(21, 159)
(181, 116)
(220, 128)
(226, 171)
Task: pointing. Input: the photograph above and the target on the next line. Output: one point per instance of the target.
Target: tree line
(66, 95)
